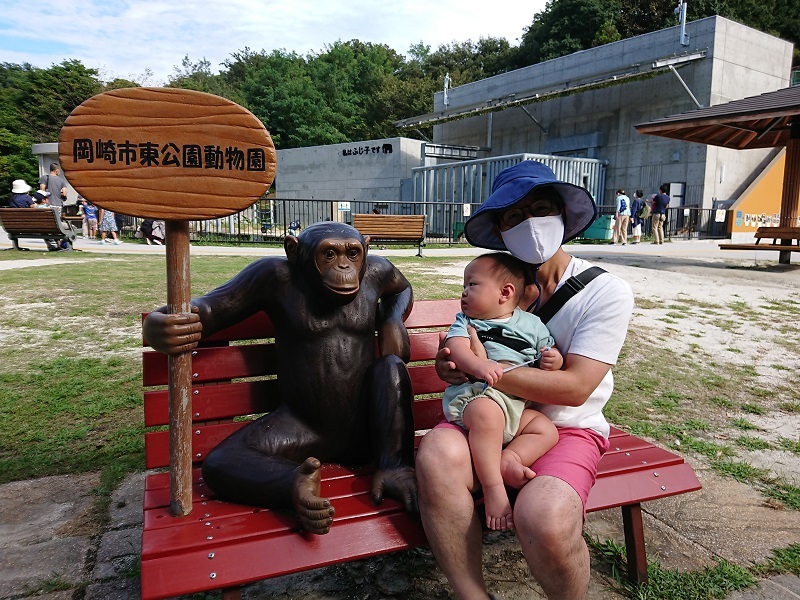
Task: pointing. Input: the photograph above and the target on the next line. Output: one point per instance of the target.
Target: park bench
(784, 239)
(35, 223)
(392, 228)
(222, 545)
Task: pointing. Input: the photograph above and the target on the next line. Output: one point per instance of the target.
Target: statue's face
(340, 262)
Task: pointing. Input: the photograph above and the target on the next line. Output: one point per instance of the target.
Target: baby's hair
(507, 268)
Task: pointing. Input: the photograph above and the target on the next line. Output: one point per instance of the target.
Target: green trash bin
(601, 229)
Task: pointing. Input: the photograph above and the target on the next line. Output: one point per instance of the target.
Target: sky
(144, 40)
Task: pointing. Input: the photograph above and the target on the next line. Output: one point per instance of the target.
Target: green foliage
(671, 584)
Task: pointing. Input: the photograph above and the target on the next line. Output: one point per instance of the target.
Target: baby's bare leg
(485, 421)
(535, 436)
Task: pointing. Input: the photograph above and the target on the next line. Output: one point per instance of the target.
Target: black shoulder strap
(495, 334)
(571, 286)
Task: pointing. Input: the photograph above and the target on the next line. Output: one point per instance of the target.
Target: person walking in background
(20, 198)
(621, 218)
(637, 217)
(108, 225)
(57, 186)
(659, 213)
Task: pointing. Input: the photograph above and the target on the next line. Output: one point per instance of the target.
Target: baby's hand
(551, 359)
(489, 371)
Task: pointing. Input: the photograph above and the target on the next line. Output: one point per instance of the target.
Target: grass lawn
(70, 381)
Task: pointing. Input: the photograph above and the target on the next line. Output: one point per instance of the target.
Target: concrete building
(586, 104)
(374, 171)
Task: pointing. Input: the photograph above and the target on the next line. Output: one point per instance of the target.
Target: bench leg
(634, 543)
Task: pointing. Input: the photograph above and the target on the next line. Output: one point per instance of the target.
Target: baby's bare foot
(514, 473)
(498, 508)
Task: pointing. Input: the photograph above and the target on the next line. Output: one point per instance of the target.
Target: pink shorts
(573, 459)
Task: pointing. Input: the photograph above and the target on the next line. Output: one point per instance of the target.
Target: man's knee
(552, 515)
(438, 455)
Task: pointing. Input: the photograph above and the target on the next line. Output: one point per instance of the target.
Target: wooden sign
(177, 155)
(166, 153)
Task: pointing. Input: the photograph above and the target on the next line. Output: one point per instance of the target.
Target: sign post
(176, 155)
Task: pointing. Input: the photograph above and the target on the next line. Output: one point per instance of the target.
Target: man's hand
(170, 333)
(400, 484)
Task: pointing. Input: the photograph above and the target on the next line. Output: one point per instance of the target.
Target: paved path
(48, 546)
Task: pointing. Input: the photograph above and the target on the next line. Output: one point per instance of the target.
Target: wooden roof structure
(768, 120)
(762, 121)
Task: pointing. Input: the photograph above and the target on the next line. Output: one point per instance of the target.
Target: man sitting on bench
(531, 214)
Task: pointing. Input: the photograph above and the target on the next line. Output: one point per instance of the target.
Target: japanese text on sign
(363, 150)
(151, 154)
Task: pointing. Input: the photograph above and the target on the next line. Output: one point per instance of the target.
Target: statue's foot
(314, 512)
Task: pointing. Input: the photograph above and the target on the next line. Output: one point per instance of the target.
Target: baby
(493, 286)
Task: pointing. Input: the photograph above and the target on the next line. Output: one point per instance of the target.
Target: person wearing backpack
(621, 219)
(638, 215)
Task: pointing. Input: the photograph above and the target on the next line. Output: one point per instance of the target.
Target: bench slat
(774, 247)
(204, 439)
(290, 552)
(213, 402)
(626, 489)
(214, 364)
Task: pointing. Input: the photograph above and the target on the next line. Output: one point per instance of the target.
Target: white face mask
(535, 240)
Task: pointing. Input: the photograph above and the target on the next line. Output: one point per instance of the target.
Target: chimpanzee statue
(338, 402)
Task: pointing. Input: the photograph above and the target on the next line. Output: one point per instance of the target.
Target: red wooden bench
(222, 545)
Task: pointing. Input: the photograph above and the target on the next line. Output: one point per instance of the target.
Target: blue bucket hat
(511, 185)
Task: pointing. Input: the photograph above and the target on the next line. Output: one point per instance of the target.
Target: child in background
(493, 286)
(90, 215)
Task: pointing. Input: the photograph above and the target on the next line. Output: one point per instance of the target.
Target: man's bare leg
(446, 480)
(548, 517)
(314, 512)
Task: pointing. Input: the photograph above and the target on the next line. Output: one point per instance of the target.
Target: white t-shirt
(593, 323)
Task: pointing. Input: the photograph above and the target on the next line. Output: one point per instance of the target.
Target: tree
(564, 27)
(46, 97)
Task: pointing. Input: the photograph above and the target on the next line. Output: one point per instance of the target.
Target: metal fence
(686, 223)
(270, 220)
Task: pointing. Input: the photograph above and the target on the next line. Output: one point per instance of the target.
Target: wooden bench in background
(392, 228)
(784, 240)
(35, 223)
(222, 545)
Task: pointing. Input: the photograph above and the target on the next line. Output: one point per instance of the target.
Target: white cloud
(124, 38)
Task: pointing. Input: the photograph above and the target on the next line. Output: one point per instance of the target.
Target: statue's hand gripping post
(177, 155)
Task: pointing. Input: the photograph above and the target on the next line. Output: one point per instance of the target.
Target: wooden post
(790, 199)
(180, 372)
